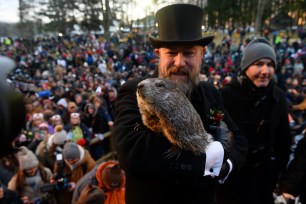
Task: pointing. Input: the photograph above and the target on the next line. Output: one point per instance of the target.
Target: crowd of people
(66, 152)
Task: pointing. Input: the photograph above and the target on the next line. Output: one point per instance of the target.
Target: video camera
(12, 109)
(60, 178)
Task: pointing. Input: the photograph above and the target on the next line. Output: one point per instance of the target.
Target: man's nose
(265, 68)
(179, 60)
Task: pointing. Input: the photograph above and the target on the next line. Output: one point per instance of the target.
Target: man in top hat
(151, 177)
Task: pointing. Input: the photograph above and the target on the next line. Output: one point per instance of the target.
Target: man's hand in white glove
(214, 159)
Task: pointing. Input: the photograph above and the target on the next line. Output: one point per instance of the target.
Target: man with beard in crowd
(151, 177)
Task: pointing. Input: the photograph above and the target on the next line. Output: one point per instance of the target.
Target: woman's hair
(21, 176)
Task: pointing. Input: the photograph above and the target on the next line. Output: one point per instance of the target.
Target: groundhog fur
(165, 108)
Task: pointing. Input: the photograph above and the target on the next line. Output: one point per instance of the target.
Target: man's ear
(156, 50)
(204, 50)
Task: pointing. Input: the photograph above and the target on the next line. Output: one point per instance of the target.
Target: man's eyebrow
(182, 49)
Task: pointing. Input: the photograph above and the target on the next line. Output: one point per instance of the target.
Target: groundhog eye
(159, 84)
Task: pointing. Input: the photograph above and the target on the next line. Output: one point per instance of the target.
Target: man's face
(181, 63)
(72, 161)
(261, 72)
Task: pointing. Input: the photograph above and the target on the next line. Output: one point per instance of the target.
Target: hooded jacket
(116, 196)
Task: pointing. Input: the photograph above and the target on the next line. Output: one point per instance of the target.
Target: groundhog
(165, 108)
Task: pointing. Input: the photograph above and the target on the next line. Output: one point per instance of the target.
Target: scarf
(252, 92)
(34, 182)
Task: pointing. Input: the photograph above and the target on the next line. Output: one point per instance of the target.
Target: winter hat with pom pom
(60, 135)
(27, 158)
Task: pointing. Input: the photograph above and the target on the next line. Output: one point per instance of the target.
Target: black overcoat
(294, 182)
(262, 116)
(150, 176)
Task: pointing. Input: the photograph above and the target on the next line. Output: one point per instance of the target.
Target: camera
(12, 109)
(60, 178)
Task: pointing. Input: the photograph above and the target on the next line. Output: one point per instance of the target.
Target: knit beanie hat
(257, 49)
(71, 151)
(27, 158)
(60, 135)
(91, 195)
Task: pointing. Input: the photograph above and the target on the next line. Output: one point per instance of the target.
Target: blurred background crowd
(70, 85)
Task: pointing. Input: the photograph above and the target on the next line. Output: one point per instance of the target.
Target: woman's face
(90, 110)
(78, 99)
(97, 103)
(57, 122)
(31, 172)
(75, 121)
(37, 122)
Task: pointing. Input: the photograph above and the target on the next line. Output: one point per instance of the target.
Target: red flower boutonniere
(215, 116)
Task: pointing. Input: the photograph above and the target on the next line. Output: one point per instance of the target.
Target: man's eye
(271, 64)
(171, 53)
(259, 64)
(188, 53)
(160, 84)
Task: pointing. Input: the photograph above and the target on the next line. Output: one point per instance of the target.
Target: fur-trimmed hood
(92, 106)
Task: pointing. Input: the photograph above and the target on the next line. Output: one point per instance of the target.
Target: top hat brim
(156, 43)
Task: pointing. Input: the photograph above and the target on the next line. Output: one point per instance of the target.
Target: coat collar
(203, 100)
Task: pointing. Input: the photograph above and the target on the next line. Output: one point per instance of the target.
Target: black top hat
(180, 24)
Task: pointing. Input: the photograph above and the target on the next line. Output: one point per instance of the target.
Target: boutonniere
(215, 116)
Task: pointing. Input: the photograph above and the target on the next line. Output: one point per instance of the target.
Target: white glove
(214, 159)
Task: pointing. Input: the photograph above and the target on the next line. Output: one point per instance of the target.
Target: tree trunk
(258, 20)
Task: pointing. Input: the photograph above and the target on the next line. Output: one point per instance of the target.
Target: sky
(9, 10)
